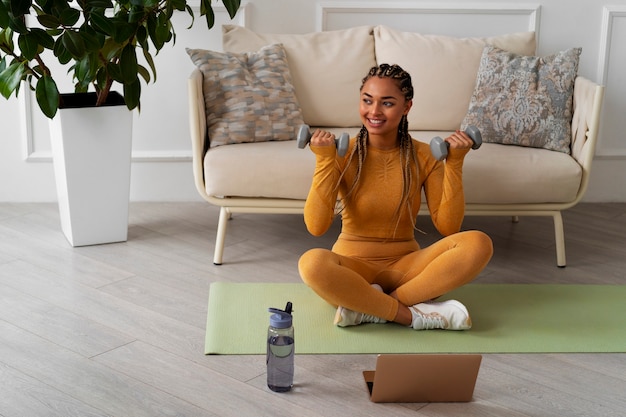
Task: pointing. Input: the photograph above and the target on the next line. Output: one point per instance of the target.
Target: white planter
(91, 149)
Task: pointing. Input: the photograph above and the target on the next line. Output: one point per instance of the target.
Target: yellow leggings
(343, 276)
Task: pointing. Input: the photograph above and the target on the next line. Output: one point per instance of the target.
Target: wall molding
(609, 15)
(532, 11)
(28, 104)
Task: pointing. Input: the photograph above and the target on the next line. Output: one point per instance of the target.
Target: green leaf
(10, 78)
(151, 25)
(110, 49)
(163, 32)
(193, 17)
(74, 44)
(82, 70)
(123, 31)
(43, 38)
(92, 39)
(142, 37)
(6, 40)
(61, 52)
(102, 24)
(28, 45)
(69, 17)
(128, 64)
(37, 69)
(48, 21)
(136, 14)
(169, 9)
(145, 74)
(179, 4)
(18, 7)
(101, 78)
(207, 11)
(47, 96)
(81, 88)
(232, 6)
(150, 62)
(4, 16)
(54, 32)
(17, 24)
(132, 92)
(98, 4)
(204, 6)
(114, 72)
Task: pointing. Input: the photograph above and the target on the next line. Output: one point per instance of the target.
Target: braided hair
(408, 157)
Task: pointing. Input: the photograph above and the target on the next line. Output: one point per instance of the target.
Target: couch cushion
(501, 174)
(270, 169)
(494, 174)
(525, 100)
(249, 97)
(443, 70)
(327, 68)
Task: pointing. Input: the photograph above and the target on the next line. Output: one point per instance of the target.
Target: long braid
(360, 151)
(408, 157)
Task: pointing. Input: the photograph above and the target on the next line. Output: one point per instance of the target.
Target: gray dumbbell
(304, 137)
(439, 147)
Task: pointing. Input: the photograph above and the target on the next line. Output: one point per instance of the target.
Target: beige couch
(325, 70)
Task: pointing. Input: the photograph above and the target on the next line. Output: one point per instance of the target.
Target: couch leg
(221, 235)
(559, 237)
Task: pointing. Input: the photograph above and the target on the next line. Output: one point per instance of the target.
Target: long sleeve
(443, 187)
(319, 209)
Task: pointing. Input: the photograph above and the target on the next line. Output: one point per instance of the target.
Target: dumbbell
(439, 147)
(304, 137)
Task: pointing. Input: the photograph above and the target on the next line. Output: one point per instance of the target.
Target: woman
(376, 271)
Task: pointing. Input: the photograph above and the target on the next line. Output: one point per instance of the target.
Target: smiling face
(382, 107)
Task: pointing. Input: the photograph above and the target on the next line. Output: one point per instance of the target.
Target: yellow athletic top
(369, 214)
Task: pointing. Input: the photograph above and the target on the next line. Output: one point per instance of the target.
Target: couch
(539, 118)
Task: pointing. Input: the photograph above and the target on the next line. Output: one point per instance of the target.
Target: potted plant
(102, 44)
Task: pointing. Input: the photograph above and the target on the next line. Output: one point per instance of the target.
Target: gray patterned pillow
(524, 100)
(249, 97)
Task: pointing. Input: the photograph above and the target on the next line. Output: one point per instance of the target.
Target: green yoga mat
(507, 318)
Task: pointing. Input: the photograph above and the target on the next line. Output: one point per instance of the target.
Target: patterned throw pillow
(249, 97)
(524, 100)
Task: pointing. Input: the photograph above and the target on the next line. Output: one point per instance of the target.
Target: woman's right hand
(322, 138)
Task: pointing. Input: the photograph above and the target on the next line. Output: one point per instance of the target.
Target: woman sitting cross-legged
(376, 270)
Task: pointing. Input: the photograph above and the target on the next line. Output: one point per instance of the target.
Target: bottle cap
(281, 319)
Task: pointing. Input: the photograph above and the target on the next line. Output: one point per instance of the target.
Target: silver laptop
(423, 378)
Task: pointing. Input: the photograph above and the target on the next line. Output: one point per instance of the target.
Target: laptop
(423, 378)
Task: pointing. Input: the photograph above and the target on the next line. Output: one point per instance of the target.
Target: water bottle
(280, 350)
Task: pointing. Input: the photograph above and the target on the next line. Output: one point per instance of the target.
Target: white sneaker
(345, 317)
(447, 315)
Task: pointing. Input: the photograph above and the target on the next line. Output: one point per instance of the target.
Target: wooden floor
(118, 330)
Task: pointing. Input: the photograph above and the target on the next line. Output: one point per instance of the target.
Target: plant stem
(104, 92)
(44, 68)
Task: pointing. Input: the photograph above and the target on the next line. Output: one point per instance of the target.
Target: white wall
(161, 168)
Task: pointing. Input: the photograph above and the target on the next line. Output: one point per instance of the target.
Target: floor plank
(86, 380)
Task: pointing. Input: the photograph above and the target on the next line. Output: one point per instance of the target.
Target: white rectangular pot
(91, 150)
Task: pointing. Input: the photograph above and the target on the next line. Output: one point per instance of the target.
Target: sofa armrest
(197, 127)
(587, 104)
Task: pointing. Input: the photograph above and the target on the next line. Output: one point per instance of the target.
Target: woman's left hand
(459, 140)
